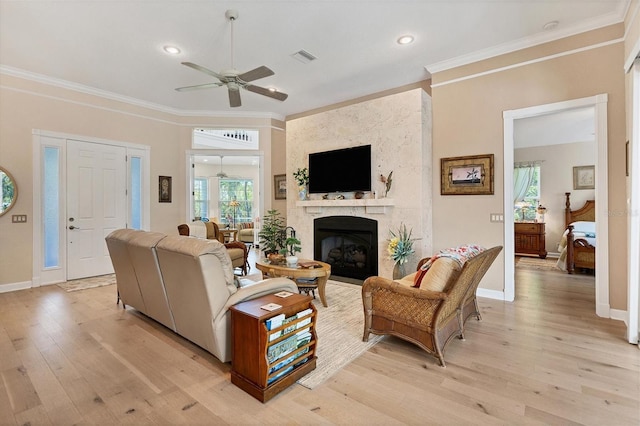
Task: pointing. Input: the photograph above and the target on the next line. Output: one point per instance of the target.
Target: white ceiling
(114, 47)
(570, 126)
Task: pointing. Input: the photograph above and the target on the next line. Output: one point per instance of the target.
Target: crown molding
(527, 42)
(64, 84)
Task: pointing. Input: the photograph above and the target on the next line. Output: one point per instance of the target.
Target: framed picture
(164, 189)
(471, 175)
(280, 187)
(584, 177)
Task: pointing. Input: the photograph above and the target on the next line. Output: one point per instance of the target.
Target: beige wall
(27, 105)
(556, 178)
(467, 119)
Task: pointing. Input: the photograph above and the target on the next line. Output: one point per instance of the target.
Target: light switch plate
(496, 217)
(19, 218)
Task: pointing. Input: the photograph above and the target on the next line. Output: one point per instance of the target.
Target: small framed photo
(584, 177)
(164, 189)
(470, 175)
(280, 187)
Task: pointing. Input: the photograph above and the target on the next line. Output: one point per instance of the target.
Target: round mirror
(8, 191)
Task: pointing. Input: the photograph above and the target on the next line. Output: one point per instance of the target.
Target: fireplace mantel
(371, 205)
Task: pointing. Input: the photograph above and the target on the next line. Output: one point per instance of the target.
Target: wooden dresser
(529, 238)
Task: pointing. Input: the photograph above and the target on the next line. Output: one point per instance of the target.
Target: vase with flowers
(400, 247)
(302, 180)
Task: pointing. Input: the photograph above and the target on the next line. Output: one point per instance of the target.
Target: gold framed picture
(584, 177)
(470, 175)
(280, 187)
(164, 189)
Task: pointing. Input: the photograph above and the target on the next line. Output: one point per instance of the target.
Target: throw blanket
(460, 254)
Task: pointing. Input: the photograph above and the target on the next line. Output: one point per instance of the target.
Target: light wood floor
(68, 358)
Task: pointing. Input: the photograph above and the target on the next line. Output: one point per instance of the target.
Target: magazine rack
(270, 354)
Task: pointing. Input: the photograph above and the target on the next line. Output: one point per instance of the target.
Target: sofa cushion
(438, 275)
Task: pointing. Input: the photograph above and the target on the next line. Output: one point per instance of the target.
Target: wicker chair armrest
(408, 305)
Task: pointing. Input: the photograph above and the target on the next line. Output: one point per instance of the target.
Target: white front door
(96, 205)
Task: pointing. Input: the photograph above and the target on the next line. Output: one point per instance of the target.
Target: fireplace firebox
(349, 244)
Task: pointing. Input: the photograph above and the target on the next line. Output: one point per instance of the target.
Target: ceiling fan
(233, 79)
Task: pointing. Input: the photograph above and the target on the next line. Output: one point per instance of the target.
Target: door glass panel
(51, 207)
(136, 193)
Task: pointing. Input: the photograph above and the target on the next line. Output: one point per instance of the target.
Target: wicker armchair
(426, 318)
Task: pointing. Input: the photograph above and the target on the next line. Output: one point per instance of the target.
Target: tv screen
(341, 170)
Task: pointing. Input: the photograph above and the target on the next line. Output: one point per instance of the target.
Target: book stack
(299, 335)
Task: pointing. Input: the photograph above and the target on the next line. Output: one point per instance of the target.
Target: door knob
(73, 227)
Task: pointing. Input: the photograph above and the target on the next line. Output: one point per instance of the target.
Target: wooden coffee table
(321, 272)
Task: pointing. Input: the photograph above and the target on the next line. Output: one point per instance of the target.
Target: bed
(578, 245)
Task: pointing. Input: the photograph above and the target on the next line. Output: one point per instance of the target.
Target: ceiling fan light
(171, 50)
(405, 39)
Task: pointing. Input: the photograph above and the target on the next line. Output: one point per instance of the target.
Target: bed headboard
(586, 213)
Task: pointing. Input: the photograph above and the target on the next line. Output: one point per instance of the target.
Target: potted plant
(291, 247)
(272, 234)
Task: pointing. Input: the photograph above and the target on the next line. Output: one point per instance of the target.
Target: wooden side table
(229, 234)
(322, 272)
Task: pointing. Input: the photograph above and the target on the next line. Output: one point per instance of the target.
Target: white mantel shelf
(371, 205)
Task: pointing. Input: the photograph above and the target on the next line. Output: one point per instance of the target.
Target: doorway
(102, 185)
(599, 103)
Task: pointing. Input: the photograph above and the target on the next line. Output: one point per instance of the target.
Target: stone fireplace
(349, 244)
(398, 128)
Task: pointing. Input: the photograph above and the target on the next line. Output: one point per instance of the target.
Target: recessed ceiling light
(405, 39)
(272, 89)
(550, 25)
(172, 50)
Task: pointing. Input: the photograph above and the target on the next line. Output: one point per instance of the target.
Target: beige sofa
(187, 284)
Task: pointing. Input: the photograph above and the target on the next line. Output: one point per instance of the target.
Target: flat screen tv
(340, 170)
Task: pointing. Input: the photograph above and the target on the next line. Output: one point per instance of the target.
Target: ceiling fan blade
(203, 69)
(198, 86)
(266, 92)
(234, 98)
(255, 74)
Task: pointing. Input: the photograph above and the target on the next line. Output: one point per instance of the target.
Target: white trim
(633, 55)
(599, 102)
(490, 294)
(68, 85)
(528, 42)
(532, 61)
(6, 288)
(617, 314)
(633, 269)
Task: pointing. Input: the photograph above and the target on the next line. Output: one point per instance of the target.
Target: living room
(467, 104)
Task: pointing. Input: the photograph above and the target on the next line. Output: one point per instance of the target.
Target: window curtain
(523, 174)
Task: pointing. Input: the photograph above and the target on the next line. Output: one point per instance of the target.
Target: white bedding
(584, 230)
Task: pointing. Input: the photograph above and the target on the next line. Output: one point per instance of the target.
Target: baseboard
(619, 315)
(6, 288)
(490, 294)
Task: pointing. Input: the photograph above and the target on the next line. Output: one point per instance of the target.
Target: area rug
(535, 263)
(91, 282)
(339, 329)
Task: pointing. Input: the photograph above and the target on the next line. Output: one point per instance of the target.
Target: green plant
(301, 176)
(291, 246)
(400, 245)
(272, 234)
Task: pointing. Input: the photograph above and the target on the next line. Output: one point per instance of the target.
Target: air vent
(304, 56)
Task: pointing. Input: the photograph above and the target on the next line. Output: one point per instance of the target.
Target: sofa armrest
(260, 288)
